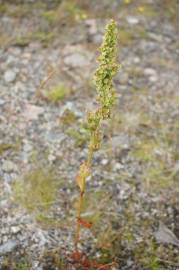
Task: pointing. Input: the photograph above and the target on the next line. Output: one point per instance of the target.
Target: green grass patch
(37, 190)
(57, 93)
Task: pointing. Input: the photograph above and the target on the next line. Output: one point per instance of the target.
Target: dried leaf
(166, 236)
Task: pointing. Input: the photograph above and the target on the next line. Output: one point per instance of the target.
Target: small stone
(76, 60)
(2, 102)
(132, 20)
(9, 76)
(136, 60)
(104, 161)
(15, 229)
(51, 158)
(32, 112)
(118, 166)
(129, 262)
(7, 247)
(9, 166)
(149, 71)
(153, 78)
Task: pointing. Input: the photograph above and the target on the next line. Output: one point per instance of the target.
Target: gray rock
(2, 101)
(9, 76)
(9, 166)
(165, 235)
(77, 56)
(76, 60)
(7, 247)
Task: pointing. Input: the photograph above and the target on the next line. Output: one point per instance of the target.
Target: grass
(45, 38)
(146, 10)
(57, 93)
(68, 11)
(5, 147)
(125, 37)
(41, 187)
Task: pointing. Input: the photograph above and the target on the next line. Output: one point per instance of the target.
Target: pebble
(9, 166)
(7, 247)
(149, 71)
(132, 20)
(118, 166)
(32, 112)
(2, 102)
(15, 229)
(9, 76)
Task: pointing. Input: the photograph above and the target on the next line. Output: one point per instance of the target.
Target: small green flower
(108, 67)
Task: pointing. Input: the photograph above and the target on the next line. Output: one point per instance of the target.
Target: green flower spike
(108, 67)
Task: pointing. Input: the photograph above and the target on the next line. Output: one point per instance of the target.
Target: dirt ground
(48, 52)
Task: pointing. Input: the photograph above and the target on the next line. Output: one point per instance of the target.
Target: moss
(157, 177)
(21, 266)
(125, 37)
(43, 37)
(58, 93)
(50, 15)
(14, 264)
(37, 190)
(68, 117)
(3, 8)
(147, 10)
(145, 150)
(5, 146)
(67, 10)
(57, 261)
(21, 41)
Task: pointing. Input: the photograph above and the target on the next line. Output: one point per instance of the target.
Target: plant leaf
(85, 223)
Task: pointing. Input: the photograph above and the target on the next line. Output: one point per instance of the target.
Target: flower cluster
(108, 67)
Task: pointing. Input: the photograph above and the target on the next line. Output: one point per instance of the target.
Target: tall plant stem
(80, 202)
(103, 79)
(77, 234)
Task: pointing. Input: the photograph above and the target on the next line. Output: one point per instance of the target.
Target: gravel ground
(133, 192)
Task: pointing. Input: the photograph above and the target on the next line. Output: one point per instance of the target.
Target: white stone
(149, 71)
(15, 229)
(9, 76)
(132, 20)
